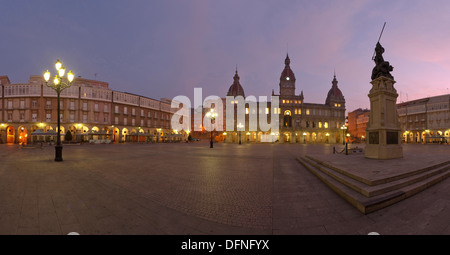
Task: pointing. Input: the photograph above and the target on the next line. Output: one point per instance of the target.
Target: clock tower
(287, 80)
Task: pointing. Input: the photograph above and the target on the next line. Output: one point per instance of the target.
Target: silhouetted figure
(382, 68)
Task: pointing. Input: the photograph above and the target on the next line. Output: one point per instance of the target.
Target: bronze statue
(382, 68)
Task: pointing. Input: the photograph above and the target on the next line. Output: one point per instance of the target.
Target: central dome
(236, 88)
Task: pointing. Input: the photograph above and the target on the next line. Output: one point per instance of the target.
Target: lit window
(295, 101)
(284, 101)
(307, 111)
(295, 111)
(232, 102)
(246, 110)
(320, 124)
(326, 125)
(279, 110)
(299, 111)
(267, 110)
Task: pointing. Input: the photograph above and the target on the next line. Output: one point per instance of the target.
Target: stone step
(370, 191)
(370, 204)
(380, 180)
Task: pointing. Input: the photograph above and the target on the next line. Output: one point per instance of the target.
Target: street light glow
(58, 64)
(62, 71)
(47, 75)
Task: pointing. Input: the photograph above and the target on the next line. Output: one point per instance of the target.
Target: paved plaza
(185, 188)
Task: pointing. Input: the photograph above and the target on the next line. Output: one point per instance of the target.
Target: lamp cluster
(60, 71)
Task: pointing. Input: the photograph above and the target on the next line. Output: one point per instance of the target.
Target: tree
(68, 136)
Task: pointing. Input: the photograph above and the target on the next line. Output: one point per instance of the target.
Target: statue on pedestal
(382, 68)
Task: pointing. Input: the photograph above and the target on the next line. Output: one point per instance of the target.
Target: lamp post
(343, 133)
(58, 85)
(240, 126)
(212, 115)
(139, 130)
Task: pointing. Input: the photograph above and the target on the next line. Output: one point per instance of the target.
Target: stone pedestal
(383, 129)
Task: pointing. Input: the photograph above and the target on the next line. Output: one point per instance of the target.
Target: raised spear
(373, 57)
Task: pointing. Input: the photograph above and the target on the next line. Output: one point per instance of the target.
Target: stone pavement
(192, 189)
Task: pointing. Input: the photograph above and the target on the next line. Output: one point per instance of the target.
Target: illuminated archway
(10, 134)
(314, 137)
(286, 137)
(116, 134)
(124, 134)
(23, 135)
(287, 121)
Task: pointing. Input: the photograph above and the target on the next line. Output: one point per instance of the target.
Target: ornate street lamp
(58, 85)
(240, 126)
(212, 115)
(343, 133)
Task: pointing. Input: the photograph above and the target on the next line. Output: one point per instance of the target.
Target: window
(267, 110)
(320, 124)
(307, 111)
(116, 109)
(85, 106)
(105, 108)
(284, 101)
(133, 111)
(149, 114)
(299, 111)
(125, 121)
(96, 117)
(133, 122)
(116, 120)
(34, 116)
(34, 104)
(22, 104)
(125, 110)
(96, 107)
(10, 104)
(149, 123)
(22, 117)
(105, 118)
(61, 117)
(325, 125)
(9, 116)
(48, 116)
(72, 105)
(142, 113)
(142, 123)
(72, 117)
(48, 104)
(85, 118)
(296, 101)
(246, 110)
(156, 115)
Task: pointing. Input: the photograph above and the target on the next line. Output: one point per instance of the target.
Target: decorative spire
(287, 61)
(334, 82)
(236, 76)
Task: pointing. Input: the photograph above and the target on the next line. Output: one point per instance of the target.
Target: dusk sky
(167, 48)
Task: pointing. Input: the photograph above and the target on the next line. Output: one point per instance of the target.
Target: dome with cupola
(236, 88)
